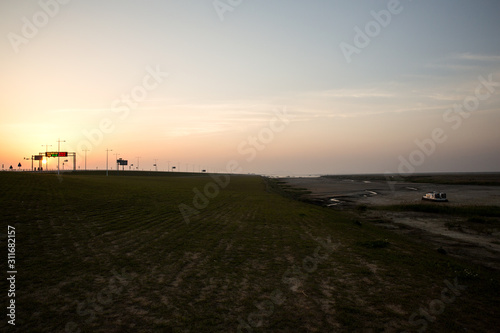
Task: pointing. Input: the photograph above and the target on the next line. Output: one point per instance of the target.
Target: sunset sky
(281, 87)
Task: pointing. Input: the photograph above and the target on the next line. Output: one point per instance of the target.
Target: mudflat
(468, 226)
(378, 191)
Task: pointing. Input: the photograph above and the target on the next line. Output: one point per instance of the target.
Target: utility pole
(58, 150)
(168, 168)
(138, 157)
(85, 150)
(107, 150)
(46, 158)
(156, 165)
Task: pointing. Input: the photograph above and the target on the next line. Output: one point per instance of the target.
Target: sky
(270, 87)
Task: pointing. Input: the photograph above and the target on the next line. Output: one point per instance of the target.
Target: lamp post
(85, 150)
(107, 150)
(138, 157)
(46, 159)
(58, 150)
(116, 157)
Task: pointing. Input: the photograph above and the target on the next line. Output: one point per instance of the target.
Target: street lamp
(116, 158)
(107, 150)
(47, 162)
(58, 150)
(85, 150)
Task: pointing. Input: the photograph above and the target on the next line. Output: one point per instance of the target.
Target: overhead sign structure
(56, 154)
(41, 158)
(122, 163)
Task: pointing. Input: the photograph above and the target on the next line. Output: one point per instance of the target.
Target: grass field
(114, 254)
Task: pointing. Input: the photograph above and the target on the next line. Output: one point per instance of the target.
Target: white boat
(435, 196)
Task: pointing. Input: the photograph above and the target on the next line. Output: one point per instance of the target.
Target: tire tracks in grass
(178, 277)
(81, 247)
(48, 233)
